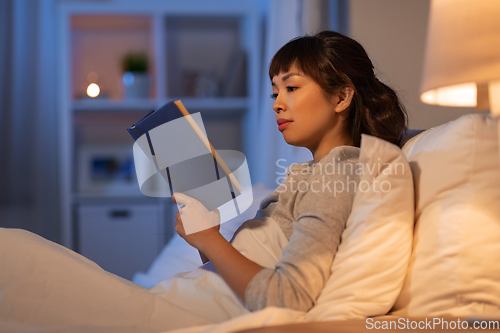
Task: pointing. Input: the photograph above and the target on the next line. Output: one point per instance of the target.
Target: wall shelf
(233, 103)
(205, 54)
(113, 105)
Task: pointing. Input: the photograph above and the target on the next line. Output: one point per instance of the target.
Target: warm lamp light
(462, 59)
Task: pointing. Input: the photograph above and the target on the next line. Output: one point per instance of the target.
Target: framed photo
(107, 170)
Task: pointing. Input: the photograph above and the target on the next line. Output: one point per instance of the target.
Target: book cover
(172, 154)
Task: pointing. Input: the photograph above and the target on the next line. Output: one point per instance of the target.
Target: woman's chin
(293, 141)
(289, 140)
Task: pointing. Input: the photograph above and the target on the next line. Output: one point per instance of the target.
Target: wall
(393, 33)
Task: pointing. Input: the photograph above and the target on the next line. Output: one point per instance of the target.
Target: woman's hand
(194, 222)
(200, 228)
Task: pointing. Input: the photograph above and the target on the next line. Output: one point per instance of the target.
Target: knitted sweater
(311, 206)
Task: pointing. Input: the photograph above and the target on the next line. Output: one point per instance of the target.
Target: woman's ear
(344, 98)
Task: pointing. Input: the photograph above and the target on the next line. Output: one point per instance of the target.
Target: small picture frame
(107, 170)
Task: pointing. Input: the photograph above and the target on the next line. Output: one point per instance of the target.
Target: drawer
(122, 239)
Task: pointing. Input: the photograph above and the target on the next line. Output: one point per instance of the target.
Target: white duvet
(45, 287)
(50, 287)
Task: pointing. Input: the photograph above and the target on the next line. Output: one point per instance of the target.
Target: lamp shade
(462, 56)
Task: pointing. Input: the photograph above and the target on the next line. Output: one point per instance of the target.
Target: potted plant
(136, 81)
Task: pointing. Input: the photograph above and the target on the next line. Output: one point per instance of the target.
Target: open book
(173, 154)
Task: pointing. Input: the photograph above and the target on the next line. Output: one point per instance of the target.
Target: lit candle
(93, 90)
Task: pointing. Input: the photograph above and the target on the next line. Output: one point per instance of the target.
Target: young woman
(326, 96)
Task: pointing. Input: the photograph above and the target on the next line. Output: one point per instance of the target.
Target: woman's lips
(283, 123)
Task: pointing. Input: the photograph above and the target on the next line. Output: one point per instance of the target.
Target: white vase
(136, 85)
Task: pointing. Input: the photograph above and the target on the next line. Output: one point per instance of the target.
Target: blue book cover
(180, 156)
(166, 113)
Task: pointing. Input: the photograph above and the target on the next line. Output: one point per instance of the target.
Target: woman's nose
(278, 105)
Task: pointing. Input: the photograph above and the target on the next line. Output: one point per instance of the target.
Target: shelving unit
(204, 53)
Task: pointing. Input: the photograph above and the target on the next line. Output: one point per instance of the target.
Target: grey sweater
(311, 206)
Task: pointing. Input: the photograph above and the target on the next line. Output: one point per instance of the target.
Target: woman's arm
(318, 216)
(234, 268)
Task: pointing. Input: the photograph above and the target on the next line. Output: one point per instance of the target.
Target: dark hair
(333, 61)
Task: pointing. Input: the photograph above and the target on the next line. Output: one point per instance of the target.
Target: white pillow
(372, 258)
(455, 265)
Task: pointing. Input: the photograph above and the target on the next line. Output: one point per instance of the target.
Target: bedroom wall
(393, 33)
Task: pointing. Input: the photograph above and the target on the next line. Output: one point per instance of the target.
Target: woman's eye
(274, 96)
(290, 89)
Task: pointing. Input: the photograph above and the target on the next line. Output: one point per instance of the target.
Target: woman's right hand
(194, 222)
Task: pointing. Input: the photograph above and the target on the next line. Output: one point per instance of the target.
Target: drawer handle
(120, 213)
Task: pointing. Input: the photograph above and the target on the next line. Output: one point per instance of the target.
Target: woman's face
(305, 116)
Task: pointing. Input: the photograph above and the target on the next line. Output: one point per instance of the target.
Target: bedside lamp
(462, 57)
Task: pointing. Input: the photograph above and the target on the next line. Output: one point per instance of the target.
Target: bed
(428, 247)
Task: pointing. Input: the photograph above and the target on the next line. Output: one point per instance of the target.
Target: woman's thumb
(180, 198)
